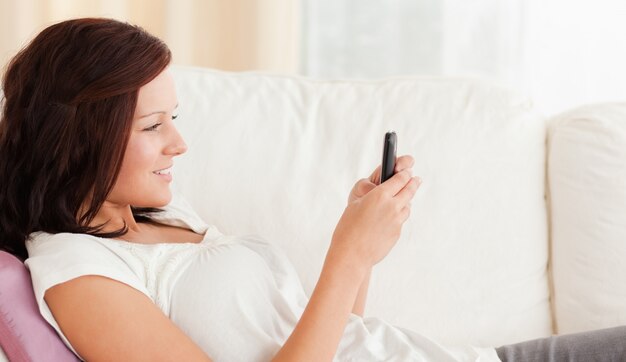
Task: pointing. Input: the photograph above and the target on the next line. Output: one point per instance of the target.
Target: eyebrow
(156, 112)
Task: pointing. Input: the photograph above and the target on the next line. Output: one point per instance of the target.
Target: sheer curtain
(365, 38)
(575, 52)
(224, 34)
(561, 53)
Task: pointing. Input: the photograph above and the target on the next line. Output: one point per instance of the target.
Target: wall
(229, 35)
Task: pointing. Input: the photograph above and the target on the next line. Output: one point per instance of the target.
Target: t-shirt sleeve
(57, 258)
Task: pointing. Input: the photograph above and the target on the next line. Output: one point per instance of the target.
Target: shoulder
(58, 257)
(40, 243)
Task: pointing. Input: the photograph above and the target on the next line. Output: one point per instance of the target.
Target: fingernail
(418, 179)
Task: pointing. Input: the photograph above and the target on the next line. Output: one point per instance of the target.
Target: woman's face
(145, 174)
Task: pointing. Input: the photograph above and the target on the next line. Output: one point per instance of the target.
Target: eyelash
(156, 125)
(153, 127)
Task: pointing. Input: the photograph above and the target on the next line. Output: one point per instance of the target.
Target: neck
(114, 217)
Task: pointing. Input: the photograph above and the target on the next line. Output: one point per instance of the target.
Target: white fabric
(277, 156)
(238, 298)
(54, 259)
(587, 183)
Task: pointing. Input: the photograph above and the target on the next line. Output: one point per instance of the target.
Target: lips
(164, 171)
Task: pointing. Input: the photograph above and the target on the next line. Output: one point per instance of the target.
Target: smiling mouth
(165, 171)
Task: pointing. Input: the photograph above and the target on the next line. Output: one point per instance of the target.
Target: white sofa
(517, 232)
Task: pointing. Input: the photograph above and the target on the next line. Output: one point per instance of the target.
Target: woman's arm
(321, 326)
(359, 304)
(360, 189)
(367, 230)
(106, 320)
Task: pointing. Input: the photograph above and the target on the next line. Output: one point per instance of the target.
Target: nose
(177, 146)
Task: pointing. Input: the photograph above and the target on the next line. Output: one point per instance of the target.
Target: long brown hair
(69, 100)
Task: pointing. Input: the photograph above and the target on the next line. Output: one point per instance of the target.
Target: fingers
(402, 187)
(375, 176)
(405, 213)
(396, 182)
(404, 162)
(405, 195)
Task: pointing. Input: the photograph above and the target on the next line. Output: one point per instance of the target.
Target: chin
(160, 201)
(166, 200)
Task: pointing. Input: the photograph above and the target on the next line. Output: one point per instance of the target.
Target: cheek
(136, 184)
(138, 160)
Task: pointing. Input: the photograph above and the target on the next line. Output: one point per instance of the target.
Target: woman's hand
(372, 221)
(365, 185)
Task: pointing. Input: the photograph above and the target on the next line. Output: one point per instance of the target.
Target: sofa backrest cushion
(587, 188)
(277, 156)
(24, 334)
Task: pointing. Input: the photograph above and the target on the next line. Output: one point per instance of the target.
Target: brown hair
(69, 100)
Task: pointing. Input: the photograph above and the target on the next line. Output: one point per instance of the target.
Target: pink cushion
(24, 334)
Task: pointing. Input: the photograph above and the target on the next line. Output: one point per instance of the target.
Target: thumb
(364, 186)
(360, 189)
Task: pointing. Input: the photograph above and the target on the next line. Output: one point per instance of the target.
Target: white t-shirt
(238, 298)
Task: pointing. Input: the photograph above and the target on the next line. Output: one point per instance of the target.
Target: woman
(124, 270)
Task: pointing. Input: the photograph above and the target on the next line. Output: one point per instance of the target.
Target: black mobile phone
(389, 156)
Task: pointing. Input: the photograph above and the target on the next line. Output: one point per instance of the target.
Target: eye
(174, 117)
(153, 127)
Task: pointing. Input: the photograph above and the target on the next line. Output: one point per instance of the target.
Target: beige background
(223, 34)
